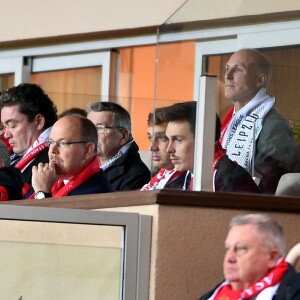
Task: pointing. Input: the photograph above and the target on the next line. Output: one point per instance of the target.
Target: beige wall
(33, 19)
(200, 10)
(188, 247)
(41, 18)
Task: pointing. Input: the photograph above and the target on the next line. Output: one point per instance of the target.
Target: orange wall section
(174, 82)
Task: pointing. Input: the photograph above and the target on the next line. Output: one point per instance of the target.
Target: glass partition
(147, 72)
(191, 46)
(73, 254)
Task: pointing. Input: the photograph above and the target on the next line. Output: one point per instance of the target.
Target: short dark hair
(186, 111)
(121, 117)
(183, 111)
(73, 111)
(31, 101)
(157, 117)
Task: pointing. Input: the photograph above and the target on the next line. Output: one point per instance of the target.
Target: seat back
(293, 256)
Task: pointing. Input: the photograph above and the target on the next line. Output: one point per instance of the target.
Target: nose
(229, 73)
(170, 148)
(53, 148)
(230, 255)
(7, 132)
(153, 145)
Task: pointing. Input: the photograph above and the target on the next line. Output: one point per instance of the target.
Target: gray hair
(4, 154)
(121, 117)
(265, 225)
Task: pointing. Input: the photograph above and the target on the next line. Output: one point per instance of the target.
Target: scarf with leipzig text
(240, 130)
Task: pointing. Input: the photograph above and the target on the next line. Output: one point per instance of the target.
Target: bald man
(73, 167)
(253, 133)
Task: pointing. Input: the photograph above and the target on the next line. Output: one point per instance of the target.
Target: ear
(39, 121)
(261, 80)
(89, 150)
(124, 136)
(273, 258)
(1, 164)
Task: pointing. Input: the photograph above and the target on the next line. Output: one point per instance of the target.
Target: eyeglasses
(103, 129)
(63, 144)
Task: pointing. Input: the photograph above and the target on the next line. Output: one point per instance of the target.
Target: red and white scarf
(37, 147)
(240, 130)
(264, 289)
(59, 189)
(160, 179)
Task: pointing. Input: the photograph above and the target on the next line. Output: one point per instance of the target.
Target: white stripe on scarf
(244, 128)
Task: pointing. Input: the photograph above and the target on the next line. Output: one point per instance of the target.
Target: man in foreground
(73, 167)
(254, 266)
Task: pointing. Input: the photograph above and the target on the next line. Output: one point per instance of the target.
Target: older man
(73, 167)
(253, 134)
(27, 115)
(254, 266)
(117, 151)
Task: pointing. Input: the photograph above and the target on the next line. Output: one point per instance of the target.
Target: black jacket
(128, 172)
(96, 184)
(232, 178)
(11, 181)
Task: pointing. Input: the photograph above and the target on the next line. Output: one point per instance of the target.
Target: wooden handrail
(171, 197)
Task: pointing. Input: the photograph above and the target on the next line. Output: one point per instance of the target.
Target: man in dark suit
(117, 151)
(73, 167)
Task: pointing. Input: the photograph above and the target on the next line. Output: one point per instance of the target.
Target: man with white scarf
(253, 134)
(27, 114)
(117, 152)
(254, 266)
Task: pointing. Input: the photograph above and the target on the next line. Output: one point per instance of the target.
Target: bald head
(247, 71)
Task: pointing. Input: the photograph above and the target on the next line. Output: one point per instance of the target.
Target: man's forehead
(65, 128)
(157, 129)
(178, 126)
(243, 58)
(242, 232)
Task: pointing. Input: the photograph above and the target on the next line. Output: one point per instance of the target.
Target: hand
(43, 177)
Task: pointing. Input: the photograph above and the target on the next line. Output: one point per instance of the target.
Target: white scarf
(120, 153)
(244, 128)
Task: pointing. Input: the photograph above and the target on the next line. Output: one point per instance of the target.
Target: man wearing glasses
(73, 167)
(117, 151)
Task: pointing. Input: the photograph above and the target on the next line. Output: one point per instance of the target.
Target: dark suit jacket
(96, 184)
(128, 172)
(11, 180)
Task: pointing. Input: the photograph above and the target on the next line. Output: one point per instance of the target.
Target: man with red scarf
(254, 266)
(73, 167)
(27, 114)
